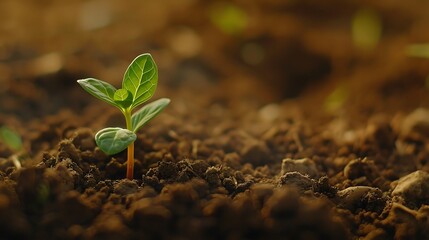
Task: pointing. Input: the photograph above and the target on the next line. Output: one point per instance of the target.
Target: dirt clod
(125, 187)
(304, 166)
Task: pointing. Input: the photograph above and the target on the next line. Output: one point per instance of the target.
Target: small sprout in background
(138, 86)
(418, 50)
(336, 99)
(10, 138)
(366, 29)
(421, 51)
(228, 17)
(43, 192)
(13, 141)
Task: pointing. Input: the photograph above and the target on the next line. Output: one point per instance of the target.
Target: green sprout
(138, 86)
(229, 18)
(418, 50)
(367, 29)
(14, 142)
(10, 138)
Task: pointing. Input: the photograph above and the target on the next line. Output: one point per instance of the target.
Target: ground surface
(285, 128)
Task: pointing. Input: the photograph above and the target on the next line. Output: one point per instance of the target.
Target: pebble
(304, 166)
(417, 121)
(360, 167)
(352, 196)
(269, 112)
(413, 187)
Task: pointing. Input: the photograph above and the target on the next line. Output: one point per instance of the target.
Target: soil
(304, 136)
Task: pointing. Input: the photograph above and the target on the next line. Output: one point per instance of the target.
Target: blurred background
(333, 55)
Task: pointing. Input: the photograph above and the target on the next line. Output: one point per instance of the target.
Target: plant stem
(130, 150)
(130, 161)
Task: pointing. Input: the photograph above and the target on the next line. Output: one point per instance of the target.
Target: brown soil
(318, 139)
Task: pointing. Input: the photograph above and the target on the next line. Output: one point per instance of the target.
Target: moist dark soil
(304, 136)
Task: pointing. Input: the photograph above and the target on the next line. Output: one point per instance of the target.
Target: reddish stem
(130, 161)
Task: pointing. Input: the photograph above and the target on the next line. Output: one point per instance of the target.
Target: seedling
(14, 142)
(138, 86)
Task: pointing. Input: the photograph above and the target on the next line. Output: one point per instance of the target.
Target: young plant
(139, 84)
(14, 142)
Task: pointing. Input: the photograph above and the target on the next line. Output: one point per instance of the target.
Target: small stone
(269, 112)
(416, 122)
(414, 187)
(353, 197)
(357, 168)
(304, 166)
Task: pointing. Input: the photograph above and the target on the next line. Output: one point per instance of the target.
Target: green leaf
(146, 113)
(141, 79)
(114, 140)
(99, 89)
(123, 97)
(10, 138)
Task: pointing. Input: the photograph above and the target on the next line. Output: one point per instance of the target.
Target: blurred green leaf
(228, 17)
(366, 28)
(336, 99)
(10, 138)
(418, 50)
